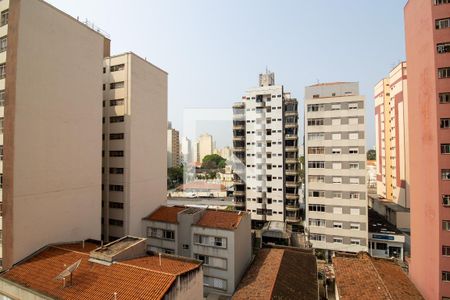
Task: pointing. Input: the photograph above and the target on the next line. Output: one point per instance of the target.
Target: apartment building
(427, 27)
(335, 159)
(221, 239)
(50, 86)
(173, 148)
(134, 130)
(265, 143)
(205, 146)
(186, 151)
(390, 125)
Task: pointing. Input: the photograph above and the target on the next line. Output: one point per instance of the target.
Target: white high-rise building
(335, 159)
(173, 147)
(205, 146)
(265, 140)
(186, 150)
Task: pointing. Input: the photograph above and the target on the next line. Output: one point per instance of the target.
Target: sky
(214, 50)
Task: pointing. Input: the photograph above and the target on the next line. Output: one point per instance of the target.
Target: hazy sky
(214, 50)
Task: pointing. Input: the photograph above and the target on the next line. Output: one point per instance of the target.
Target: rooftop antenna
(68, 272)
(115, 295)
(83, 244)
(159, 259)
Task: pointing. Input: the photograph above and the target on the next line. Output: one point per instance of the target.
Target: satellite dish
(68, 271)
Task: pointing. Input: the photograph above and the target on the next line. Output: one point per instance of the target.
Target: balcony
(291, 125)
(239, 138)
(293, 207)
(292, 184)
(238, 193)
(291, 148)
(239, 149)
(289, 113)
(291, 196)
(292, 219)
(291, 160)
(290, 137)
(239, 127)
(291, 172)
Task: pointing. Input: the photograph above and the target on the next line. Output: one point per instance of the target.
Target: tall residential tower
(335, 159)
(265, 141)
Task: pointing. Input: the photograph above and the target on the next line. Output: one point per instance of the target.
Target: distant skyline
(214, 50)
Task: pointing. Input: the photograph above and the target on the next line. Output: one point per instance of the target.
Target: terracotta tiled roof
(165, 214)
(280, 274)
(363, 277)
(221, 219)
(92, 280)
(169, 264)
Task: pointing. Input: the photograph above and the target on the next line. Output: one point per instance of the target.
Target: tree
(301, 168)
(371, 155)
(175, 176)
(213, 161)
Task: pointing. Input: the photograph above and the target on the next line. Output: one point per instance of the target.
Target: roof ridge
(389, 295)
(278, 270)
(69, 250)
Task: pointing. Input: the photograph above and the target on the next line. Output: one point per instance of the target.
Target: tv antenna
(68, 272)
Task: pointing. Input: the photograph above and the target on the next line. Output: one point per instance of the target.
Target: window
(317, 237)
(316, 164)
(446, 225)
(354, 196)
(354, 165)
(442, 23)
(338, 240)
(316, 178)
(445, 148)
(315, 107)
(116, 136)
(316, 207)
(353, 136)
(316, 136)
(315, 122)
(443, 47)
(116, 153)
(354, 180)
(4, 18)
(381, 246)
(337, 210)
(337, 195)
(446, 250)
(117, 68)
(445, 123)
(335, 121)
(446, 200)
(116, 188)
(316, 150)
(355, 242)
(117, 85)
(2, 71)
(337, 225)
(335, 136)
(316, 194)
(438, 2)
(337, 179)
(445, 174)
(354, 226)
(352, 106)
(1, 152)
(116, 222)
(115, 170)
(317, 222)
(336, 151)
(2, 97)
(336, 166)
(355, 211)
(210, 241)
(353, 121)
(116, 205)
(168, 234)
(116, 102)
(353, 151)
(3, 43)
(444, 98)
(445, 276)
(116, 119)
(443, 73)
(214, 282)
(335, 106)
(211, 261)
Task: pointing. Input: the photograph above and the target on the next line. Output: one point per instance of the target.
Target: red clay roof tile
(220, 219)
(165, 214)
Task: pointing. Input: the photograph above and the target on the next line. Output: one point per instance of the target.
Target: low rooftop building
(280, 273)
(119, 270)
(360, 276)
(219, 238)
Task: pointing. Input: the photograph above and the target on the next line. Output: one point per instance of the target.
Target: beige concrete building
(173, 148)
(52, 123)
(135, 131)
(205, 146)
(335, 159)
(390, 123)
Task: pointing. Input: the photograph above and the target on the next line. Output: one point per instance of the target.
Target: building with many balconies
(265, 148)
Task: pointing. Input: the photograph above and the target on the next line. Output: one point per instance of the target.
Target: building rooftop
(280, 273)
(359, 276)
(391, 205)
(330, 83)
(378, 224)
(201, 185)
(131, 279)
(166, 214)
(221, 219)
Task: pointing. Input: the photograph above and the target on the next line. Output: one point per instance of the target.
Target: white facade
(186, 151)
(265, 141)
(335, 159)
(135, 133)
(205, 146)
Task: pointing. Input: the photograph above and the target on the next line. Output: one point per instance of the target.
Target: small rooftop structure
(276, 232)
(123, 248)
(360, 276)
(378, 224)
(146, 276)
(280, 273)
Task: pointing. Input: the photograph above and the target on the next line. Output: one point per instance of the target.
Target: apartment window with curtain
(117, 85)
(4, 18)
(445, 174)
(3, 43)
(439, 2)
(443, 73)
(2, 71)
(444, 98)
(442, 23)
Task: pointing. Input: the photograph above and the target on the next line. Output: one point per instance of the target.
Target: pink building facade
(427, 24)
